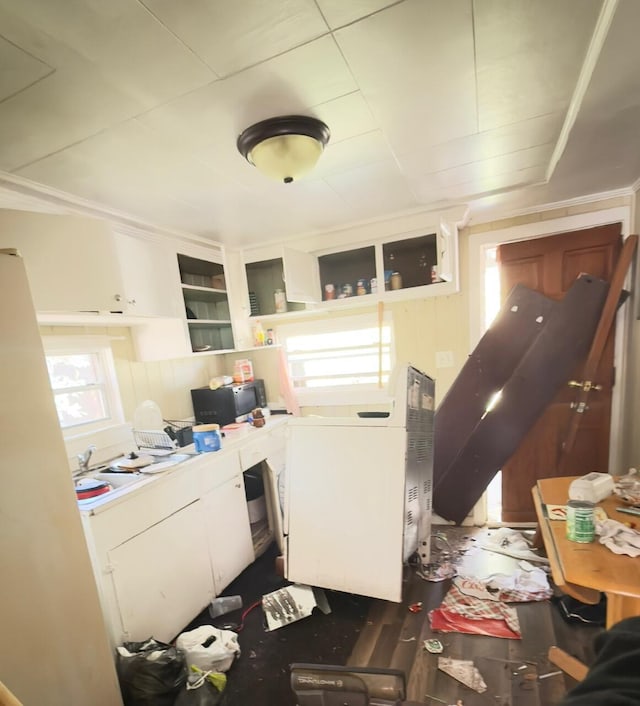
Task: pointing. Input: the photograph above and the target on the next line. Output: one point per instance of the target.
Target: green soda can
(581, 525)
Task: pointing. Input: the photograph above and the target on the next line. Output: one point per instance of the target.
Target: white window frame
(101, 346)
(363, 394)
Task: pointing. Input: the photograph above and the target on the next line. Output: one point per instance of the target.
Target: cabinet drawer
(153, 503)
(217, 467)
(255, 451)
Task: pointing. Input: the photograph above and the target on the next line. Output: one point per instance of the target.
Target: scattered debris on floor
(467, 614)
(511, 543)
(446, 554)
(415, 607)
(464, 671)
(459, 702)
(527, 583)
(435, 647)
(292, 603)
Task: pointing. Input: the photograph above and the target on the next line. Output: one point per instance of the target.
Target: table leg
(620, 607)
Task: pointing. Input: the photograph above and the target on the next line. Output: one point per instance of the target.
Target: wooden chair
(570, 665)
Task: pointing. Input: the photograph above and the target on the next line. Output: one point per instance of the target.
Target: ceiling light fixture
(284, 148)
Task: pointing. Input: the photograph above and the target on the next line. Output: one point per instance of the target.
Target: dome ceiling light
(284, 148)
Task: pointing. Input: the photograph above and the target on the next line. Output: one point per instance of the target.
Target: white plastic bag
(209, 648)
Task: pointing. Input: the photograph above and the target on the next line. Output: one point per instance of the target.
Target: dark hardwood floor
(393, 637)
(363, 632)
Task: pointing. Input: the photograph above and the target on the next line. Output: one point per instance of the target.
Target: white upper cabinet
(147, 272)
(78, 265)
(401, 260)
(301, 279)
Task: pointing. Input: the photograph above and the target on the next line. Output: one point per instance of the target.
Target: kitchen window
(83, 381)
(345, 361)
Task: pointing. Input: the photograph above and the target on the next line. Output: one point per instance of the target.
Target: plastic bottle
(258, 334)
(224, 604)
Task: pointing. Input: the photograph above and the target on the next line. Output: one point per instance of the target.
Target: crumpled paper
(511, 543)
(464, 671)
(528, 583)
(619, 538)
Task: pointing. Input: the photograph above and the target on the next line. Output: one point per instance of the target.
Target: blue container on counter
(206, 437)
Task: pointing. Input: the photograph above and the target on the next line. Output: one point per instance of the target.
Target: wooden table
(585, 570)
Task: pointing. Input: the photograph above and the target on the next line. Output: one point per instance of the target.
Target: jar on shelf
(396, 280)
(280, 299)
(329, 292)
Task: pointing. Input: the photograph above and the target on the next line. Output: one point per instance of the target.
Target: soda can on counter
(581, 524)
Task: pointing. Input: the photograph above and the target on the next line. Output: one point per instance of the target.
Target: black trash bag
(151, 673)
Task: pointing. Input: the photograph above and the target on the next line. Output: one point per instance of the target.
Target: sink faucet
(83, 459)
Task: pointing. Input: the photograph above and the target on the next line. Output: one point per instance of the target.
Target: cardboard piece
(464, 671)
(292, 603)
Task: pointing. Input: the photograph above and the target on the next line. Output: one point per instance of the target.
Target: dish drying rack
(153, 439)
(174, 435)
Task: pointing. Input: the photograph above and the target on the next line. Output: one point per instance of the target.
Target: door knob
(587, 385)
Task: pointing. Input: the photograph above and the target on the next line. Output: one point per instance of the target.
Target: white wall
(167, 382)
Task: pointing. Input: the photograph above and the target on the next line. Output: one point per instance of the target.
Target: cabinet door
(228, 531)
(162, 577)
(148, 276)
(301, 277)
(71, 262)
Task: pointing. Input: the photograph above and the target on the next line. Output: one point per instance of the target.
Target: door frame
(479, 242)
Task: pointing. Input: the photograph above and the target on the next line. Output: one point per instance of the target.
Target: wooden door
(550, 265)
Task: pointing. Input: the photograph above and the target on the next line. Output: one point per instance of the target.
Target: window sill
(349, 396)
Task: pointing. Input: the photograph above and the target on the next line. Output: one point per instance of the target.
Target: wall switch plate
(444, 359)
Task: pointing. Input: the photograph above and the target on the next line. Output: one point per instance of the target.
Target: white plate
(163, 465)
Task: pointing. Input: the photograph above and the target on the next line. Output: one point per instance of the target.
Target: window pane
(339, 358)
(80, 407)
(73, 370)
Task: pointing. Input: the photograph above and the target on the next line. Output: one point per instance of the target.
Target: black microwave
(227, 404)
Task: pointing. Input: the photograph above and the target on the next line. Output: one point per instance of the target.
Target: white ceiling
(136, 105)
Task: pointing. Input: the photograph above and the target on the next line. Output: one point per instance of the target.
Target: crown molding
(46, 199)
(626, 191)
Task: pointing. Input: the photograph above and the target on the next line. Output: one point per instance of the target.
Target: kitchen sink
(117, 480)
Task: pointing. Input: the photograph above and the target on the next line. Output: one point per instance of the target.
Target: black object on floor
(261, 676)
(574, 611)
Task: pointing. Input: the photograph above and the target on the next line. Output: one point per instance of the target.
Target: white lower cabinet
(228, 531)
(162, 577)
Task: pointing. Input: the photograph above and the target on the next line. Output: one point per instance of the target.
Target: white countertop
(233, 438)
